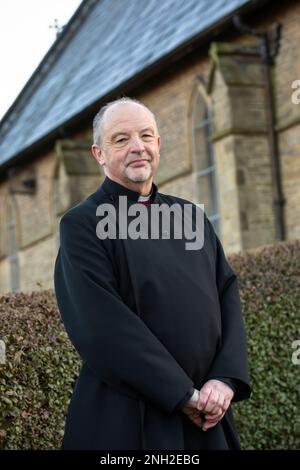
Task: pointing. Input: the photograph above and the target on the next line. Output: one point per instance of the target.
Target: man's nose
(137, 145)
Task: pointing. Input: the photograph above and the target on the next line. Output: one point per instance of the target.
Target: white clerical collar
(145, 198)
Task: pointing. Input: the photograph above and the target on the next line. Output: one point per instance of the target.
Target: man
(158, 327)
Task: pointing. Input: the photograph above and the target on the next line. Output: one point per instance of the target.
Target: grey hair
(99, 119)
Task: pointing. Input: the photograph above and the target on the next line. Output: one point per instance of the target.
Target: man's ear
(98, 154)
(158, 142)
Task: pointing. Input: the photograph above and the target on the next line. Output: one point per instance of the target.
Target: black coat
(149, 319)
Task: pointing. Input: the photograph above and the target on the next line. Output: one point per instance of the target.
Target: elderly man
(158, 326)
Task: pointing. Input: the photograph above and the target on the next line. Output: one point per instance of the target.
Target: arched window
(204, 158)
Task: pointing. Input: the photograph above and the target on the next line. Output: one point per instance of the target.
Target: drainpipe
(268, 60)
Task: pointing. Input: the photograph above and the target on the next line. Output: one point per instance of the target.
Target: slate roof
(105, 44)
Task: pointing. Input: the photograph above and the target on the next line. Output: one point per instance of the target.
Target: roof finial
(58, 29)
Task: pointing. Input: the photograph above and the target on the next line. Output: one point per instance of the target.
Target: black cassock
(150, 319)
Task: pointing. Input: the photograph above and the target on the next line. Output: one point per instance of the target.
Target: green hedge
(269, 280)
(36, 381)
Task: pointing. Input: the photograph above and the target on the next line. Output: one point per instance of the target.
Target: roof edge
(46, 62)
(176, 54)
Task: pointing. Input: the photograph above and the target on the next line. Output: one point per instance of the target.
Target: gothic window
(204, 158)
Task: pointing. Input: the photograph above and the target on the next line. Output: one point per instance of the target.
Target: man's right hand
(190, 409)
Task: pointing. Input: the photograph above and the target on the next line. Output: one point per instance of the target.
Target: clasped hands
(208, 405)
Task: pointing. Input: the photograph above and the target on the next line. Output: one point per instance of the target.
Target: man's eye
(147, 135)
(120, 141)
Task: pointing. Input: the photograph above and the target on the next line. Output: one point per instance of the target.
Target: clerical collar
(113, 188)
(145, 198)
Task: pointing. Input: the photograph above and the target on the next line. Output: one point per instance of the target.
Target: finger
(216, 410)
(212, 403)
(196, 418)
(213, 417)
(208, 425)
(210, 422)
(204, 395)
(219, 408)
(198, 421)
(188, 411)
(191, 412)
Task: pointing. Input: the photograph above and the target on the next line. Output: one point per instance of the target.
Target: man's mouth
(140, 162)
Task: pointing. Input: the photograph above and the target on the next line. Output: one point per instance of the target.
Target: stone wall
(234, 81)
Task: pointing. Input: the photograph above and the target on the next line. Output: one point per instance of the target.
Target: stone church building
(219, 77)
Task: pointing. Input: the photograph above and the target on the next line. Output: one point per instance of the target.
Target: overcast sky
(25, 37)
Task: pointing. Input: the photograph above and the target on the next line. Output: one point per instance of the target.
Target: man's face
(130, 145)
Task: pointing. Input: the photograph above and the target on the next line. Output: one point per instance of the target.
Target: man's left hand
(214, 400)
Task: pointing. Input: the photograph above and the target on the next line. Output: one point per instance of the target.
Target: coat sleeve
(185, 399)
(110, 338)
(231, 357)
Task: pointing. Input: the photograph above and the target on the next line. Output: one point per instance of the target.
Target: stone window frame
(199, 95)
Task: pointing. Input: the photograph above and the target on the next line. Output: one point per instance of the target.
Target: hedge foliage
(269, 280)
(37, 380)
(38, 377)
